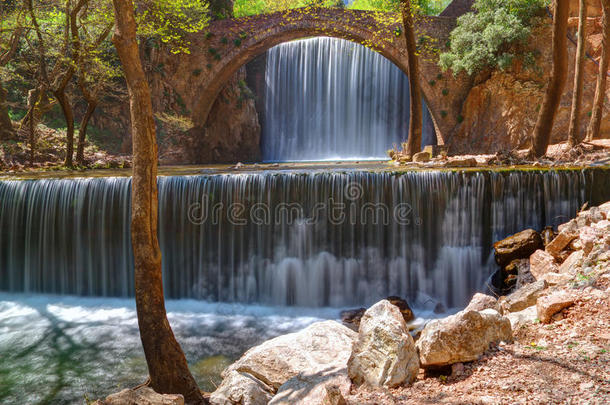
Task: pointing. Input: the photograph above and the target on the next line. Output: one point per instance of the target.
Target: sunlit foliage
(483, 39)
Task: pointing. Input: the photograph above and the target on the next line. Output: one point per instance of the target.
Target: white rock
(518, 319)
(522, 298)
(320, 389)
(461, 337)
(241, 388)
(573, 262)
(143, 396)
(384, 354)
(323, 347)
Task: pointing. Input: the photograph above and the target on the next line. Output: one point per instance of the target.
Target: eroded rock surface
(461, 337)
(384, 354)
(318, 353)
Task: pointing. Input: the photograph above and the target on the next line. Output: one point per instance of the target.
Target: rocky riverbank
(546, 341)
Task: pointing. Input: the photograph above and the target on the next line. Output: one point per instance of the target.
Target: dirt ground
(565, 362)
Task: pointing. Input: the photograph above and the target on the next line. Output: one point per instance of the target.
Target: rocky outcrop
(500, 111)
(518, 246)
(384, 354)
(461, 337)
(316, 355)
(141, 396)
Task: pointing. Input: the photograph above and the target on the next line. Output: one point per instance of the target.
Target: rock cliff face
(500, 111)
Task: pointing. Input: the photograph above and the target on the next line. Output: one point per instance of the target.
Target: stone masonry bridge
(216, 56)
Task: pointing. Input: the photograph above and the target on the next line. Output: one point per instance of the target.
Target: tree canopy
(483, 39)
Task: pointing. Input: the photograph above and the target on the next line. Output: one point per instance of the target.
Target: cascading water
(329, 99)
(283, 238)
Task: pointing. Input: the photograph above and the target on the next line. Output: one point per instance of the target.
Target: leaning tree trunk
(66, 108)
(415, 107)
(602, 76)
(167, 365)
(559, 75)
(82, 133)
(573, 132)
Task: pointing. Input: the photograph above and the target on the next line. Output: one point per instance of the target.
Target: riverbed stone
(384, 354)
(522, 298)
(549, 305)
(143, 396)
(518, 246)
(462, 337)
(542, 262)
(421, 157)
(323, 347)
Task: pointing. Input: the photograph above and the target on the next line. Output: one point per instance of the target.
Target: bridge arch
(232, 43)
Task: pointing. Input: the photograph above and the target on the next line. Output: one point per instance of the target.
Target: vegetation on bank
(252, 7)
(484, 38)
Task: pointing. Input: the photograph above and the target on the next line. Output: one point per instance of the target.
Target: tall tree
(6, 125)
(167, 365)
(573, 132)
(415, 107)
(602, 75)
(557, 80)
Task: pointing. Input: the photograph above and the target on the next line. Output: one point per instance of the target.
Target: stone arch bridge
(215, 56)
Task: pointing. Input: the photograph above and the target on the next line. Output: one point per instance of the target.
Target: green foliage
(243, 8)
(425, 7)
(171, 20)
(483, 39)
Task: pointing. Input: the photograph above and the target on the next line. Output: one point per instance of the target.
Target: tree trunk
(573, 132)
(6, 125)
(167, 365)
(82, 134)
(602, 76)
(559, 75)
(415, 106)
(66, 108)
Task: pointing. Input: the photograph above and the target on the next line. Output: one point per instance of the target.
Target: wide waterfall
(284, 238)
(329, 98)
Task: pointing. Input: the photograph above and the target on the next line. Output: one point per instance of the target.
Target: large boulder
(461, 337)
(522, 298)
(351, 317)
(384, 354)
(517, 246)
(319, 351)
(142, 396)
